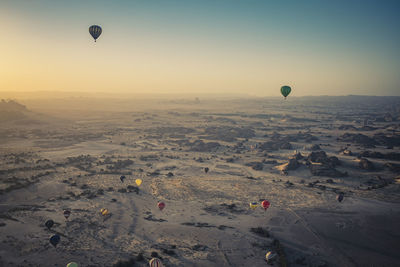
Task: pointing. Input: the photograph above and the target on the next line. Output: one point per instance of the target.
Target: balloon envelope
(206, 169)
(95, 31)
(104, 212)
(138, 181)
(340, 197)
(72, 264)
(285, 90)
(265, 204)
(154, 262)
(67, 213)
(49, 223)
(270, 255)
(54, 240)
(253, 205)
(122, 178)
(161, 205)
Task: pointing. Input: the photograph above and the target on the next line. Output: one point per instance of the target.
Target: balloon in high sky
(138, 182)
(95, 31)
(285, 90)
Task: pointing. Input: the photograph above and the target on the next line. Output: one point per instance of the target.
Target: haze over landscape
(199, 133)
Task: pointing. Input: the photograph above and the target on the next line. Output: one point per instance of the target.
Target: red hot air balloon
(67, 213)
(265, 204)
(161, 205)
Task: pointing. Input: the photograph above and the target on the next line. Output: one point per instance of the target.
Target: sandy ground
(76, 162)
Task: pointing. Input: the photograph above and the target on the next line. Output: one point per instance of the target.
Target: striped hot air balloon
(154, 262)
(95, 31)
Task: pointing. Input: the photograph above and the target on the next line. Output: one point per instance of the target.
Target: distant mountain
(11, 110)
(11, 105)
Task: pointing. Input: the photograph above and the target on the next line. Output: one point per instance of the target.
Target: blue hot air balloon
(54, 240)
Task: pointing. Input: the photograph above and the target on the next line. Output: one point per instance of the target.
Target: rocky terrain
(298, 154)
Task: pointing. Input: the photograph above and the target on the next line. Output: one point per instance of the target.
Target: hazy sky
(253, 47)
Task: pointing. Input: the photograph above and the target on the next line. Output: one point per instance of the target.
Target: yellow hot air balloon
(253, 205)
(104, 212)
(138, 182)
(270, 256)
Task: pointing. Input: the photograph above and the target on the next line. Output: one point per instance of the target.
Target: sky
(250, 47)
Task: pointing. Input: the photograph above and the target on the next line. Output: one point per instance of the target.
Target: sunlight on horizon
(150, 48)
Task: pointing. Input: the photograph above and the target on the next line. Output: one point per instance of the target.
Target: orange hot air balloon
(161, 205)
(265, 204)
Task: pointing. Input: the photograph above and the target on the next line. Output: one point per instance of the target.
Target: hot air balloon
(72, 264)
(54, 240)
(340, 197)
(49, 224)
(161, 205)
(122, 178)
(270, 256)
(138, 182)
(206, 169)
(154, 262)
(67, 213)
(285, 90)
(104, 212)
(253, 205)
(95, 31)
(265, 204)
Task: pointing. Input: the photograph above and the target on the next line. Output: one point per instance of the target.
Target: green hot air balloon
(285, 90)
(95, 31)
